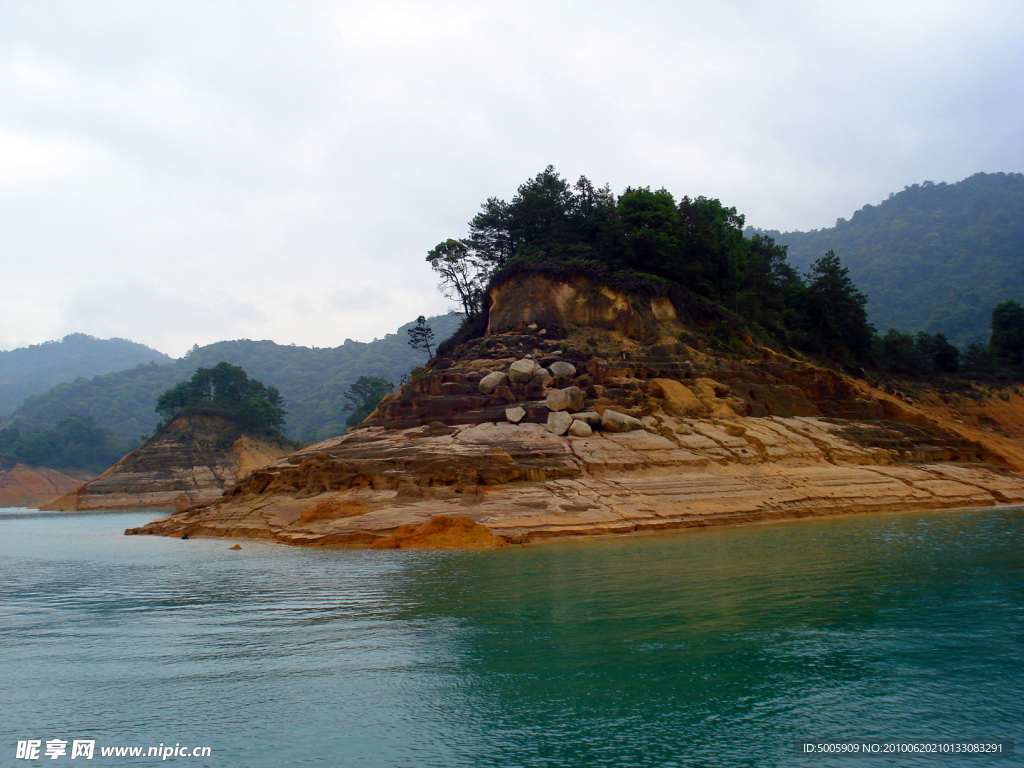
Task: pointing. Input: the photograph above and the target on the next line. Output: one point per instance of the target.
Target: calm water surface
(717, 648)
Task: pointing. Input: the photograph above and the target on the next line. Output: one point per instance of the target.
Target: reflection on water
(716, 647)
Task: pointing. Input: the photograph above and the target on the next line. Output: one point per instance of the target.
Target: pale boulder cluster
(565, 405)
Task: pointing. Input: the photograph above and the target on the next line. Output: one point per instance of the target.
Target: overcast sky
(185, 172)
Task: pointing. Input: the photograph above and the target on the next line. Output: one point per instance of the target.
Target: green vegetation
(312, 381)
(421, 336)
(33, 370)
(934, 257)
(364, 395)
(75, 443)
(646, 241)
(226, 390)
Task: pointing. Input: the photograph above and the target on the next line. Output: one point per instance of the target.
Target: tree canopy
(697, 243)
(364, 395)
(933, 257)
(228, 391)
(75, 443)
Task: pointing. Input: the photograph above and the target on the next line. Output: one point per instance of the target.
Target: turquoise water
(717, 647)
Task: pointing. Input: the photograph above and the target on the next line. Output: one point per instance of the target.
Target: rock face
(680, 437)
(192, 461)
(24, 486)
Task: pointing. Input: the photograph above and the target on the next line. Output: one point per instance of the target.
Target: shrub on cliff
(225, 390)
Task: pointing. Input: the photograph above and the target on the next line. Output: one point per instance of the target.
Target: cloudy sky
(185, 172)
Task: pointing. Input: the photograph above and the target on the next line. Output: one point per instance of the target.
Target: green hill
(934, 257)
(312, 382)
(33, 370)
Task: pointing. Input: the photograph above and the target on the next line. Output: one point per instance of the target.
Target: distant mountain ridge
(32, 370)
(934, 257)
(312, 381)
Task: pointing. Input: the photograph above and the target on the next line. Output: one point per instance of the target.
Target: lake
(720, 647)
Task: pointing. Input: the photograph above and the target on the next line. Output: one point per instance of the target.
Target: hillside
(312, 382)
(934, 257)
(33, 370)
(191, 460)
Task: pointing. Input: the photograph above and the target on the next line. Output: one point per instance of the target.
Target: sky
(183, 172)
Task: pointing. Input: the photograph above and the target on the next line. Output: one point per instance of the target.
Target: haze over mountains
(312, 381)
(32, 370)
(934, 257)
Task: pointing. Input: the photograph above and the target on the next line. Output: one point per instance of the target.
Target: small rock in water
(237, 546)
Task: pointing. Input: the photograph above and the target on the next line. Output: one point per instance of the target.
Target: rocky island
(218, 427)
(583, 409)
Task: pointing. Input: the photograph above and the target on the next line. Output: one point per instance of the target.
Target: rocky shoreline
(582, 412)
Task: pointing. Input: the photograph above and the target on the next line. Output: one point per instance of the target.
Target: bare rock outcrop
(191, 461)
(714, 437)
(25, 486)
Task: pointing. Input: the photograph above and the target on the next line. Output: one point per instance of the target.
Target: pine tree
(421, 336)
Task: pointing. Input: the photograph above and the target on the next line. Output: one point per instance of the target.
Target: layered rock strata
(25, 486)
(671, 434)
(191, 461)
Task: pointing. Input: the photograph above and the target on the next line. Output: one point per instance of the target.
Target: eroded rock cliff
(25, 486)
(585, 410)
(193, 460)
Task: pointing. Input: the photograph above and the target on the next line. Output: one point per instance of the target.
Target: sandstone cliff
(191, 461)
(24, 486)
(584, 410)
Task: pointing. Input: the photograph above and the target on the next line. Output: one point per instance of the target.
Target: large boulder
(613, 421)
(541, 377)
(562, 369)
(559, 422)
(580, 429)
(515, 415)
(590, 418)
(521, 371)
(568, 399)
(492, 381)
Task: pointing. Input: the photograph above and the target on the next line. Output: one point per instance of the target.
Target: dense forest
(33, 370)
(74, 443)
(691, 249)
(935, 257)
(311, 381)
(226, 390)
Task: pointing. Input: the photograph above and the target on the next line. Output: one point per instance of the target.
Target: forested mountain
(33, 370)
(311, 381)
(934, 257)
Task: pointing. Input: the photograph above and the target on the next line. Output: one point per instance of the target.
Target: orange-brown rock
(191, 461)
(441, 532)
(25, 486)
(727, 437)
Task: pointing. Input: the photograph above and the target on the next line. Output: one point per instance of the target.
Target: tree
(421, 336)
(836, 310)
(650, 227)
(228, 391)
(364, 396)
(463, 275)
(1007, 339)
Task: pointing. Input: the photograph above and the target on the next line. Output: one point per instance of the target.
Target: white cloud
(282, 169)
